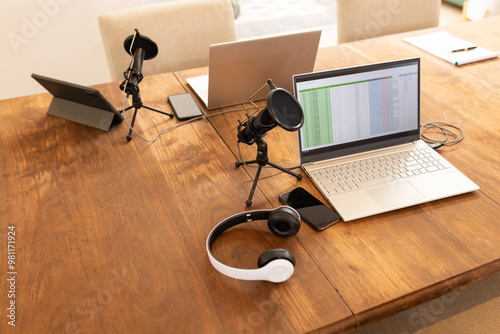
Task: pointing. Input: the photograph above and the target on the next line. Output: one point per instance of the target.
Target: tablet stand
(262, 160)
(98, 118)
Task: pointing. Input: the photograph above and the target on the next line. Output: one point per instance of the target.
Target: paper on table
(442, 43)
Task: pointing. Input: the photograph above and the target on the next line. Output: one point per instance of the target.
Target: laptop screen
(356, 109)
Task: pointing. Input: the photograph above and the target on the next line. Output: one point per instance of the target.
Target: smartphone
(184, 106)
(311, 209)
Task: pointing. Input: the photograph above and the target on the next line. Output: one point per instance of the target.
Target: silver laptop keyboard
(369, 172)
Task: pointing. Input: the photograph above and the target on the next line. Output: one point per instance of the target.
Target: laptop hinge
(364, 153)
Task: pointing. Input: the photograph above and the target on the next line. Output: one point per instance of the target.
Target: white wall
(55, 38)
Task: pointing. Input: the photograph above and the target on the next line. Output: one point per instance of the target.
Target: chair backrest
(361, 19)
(183, 31)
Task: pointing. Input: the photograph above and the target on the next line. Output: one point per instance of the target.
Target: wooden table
(110, 235)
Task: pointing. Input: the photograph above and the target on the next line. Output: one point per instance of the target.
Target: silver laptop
(360, 143)
(238, 69)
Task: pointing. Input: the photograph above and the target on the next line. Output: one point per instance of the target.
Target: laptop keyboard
(369, 172)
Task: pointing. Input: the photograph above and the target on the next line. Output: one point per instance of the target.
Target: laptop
(238, 69)
(360, 143)
(80, 104)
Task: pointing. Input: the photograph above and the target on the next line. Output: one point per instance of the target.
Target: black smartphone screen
(312, 210)
(184, 106)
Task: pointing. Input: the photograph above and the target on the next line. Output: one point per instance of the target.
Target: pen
(464, 49)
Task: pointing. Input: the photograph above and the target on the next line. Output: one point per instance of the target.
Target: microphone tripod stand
(262, 160)
(133, 90)
(282, 109)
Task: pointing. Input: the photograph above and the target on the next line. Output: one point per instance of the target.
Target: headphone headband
(277, 270)
(234, 220)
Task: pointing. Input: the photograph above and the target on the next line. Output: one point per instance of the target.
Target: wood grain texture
(385, 263)
(111, 234)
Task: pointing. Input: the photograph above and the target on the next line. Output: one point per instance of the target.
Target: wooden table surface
(110, 234)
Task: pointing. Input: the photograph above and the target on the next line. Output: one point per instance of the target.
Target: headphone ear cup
(275, 254)
(284, 221)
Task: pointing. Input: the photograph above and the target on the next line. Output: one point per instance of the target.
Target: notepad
(441, 44)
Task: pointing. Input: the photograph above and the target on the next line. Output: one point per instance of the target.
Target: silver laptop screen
(355, 109)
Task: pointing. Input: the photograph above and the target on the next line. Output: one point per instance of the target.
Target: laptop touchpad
(395, 194)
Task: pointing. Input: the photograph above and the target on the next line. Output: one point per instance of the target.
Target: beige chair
(361, 19)
(182, 29)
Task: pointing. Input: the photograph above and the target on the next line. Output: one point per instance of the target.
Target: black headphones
(275, 265)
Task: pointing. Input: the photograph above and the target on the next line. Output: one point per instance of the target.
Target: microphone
(141, 48)
(282, 109)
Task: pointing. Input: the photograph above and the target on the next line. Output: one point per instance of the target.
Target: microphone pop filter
(285, 109)
(145, 43)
